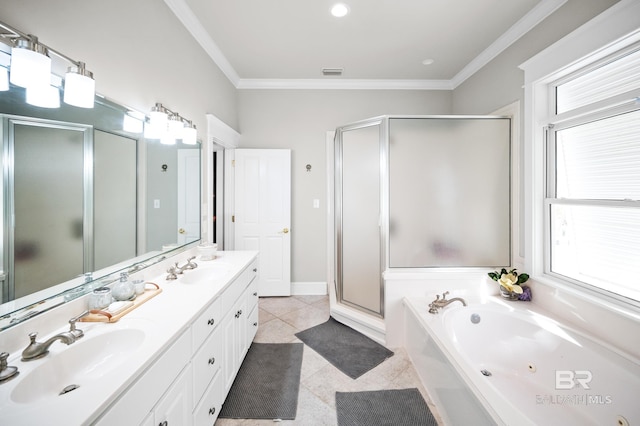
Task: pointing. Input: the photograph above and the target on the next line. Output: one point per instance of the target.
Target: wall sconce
(189, 133)
(169, 126)
(30, 63)
(79, 86)
(31, 68)
(43, 96)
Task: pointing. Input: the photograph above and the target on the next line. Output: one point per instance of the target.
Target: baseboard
(308, 289)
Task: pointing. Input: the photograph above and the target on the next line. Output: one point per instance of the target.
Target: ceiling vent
(332, 71)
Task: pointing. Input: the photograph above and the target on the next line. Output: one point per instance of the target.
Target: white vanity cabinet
(187, 383)
(154, 387)
(237, 330)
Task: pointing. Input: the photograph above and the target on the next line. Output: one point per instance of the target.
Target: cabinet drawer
(207, 411)
(206, 363)
(206, 323)
(252, 327)
(252, 295)
(253, 270)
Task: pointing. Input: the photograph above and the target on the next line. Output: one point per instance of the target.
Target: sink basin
(203, 274)
(80, 364)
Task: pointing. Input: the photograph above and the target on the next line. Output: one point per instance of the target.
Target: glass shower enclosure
(418, 192)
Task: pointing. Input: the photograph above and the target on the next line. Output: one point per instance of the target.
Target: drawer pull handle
(255, 324)
(212, 411)
(212, 360)
(255, 269)
(165, 423)
(255, 293)
(211, 321)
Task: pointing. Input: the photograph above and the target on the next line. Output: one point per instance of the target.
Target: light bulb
(30, 65)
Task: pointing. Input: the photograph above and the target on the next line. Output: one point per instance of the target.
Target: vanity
(171, 361)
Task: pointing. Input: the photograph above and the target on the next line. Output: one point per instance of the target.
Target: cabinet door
(241, 332)
(229, 358)
(174, 409)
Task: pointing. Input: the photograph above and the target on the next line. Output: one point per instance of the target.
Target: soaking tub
(503, 363)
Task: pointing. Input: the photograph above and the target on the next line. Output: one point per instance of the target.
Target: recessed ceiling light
(339, 10)
(428, 62)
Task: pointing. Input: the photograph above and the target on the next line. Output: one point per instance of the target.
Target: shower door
(359, 204)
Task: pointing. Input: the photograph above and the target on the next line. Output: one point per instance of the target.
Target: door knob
(285, 231)
(182, 231)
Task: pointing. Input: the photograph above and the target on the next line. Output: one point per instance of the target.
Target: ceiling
(379, 44)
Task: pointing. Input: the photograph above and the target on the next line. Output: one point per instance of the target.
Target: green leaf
(523, 278)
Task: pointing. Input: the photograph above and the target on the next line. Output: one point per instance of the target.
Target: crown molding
(184, 13)
(536, 15)
(344, 84)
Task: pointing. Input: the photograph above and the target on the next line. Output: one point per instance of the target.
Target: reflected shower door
(358, 192)
(48, 170)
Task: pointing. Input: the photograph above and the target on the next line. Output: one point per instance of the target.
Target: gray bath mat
(397, 407)
(267, 384)
(348, 350)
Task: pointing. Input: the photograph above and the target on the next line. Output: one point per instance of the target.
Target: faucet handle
(72, 325)
(6, 371)
(444, 295)
(32, 336)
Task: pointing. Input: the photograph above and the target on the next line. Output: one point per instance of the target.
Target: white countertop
(162, 319)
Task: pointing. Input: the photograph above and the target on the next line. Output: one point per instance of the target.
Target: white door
(263, 214)
(188, 195)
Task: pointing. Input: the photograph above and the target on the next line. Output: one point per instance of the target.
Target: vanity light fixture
(132, 122)
(189, 133)
(169, 126)
(175, 126)
(4, 79)
(43, 96)
(158, 116)
(79, 86)
(31, 68)
(30, 63)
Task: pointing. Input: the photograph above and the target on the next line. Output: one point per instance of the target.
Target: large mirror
(83, 199)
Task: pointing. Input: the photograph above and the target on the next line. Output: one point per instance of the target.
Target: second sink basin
(203, 274)
(83, 363)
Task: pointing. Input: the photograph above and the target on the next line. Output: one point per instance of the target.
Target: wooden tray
(103, 316)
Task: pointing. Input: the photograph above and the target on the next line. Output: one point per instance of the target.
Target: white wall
(299, 120)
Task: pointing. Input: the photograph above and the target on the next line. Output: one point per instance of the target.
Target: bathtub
(504, 363)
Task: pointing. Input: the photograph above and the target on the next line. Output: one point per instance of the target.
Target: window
(592, 201)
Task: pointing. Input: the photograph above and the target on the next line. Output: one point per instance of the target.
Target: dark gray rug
(397, 407)
(348, 350)
(267, 383)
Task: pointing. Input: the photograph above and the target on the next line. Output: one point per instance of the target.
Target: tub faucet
(441, 303)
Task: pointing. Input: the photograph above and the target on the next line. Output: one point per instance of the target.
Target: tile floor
(280, 319)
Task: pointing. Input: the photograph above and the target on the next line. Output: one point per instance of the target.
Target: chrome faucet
(172, 271)
(188, 265)
(441, 303)
(37, 350)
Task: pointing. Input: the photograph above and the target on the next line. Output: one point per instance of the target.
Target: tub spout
(441, 303)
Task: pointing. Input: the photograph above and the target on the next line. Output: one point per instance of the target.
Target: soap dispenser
(124, 289)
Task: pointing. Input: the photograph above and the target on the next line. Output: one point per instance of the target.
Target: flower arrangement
(511, 284)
